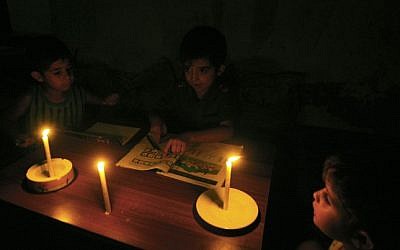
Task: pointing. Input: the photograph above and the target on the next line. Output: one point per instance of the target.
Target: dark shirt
(182, 110)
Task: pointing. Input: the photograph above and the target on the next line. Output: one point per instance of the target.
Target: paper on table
(122, 133)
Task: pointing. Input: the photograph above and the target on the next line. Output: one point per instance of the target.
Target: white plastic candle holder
(40, 181)
(241, 213)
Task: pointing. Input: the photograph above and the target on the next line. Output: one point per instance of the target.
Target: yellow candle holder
(241, 212)
(40, 181)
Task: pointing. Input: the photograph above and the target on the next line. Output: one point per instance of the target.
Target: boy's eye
(204, 70)
(325, 197)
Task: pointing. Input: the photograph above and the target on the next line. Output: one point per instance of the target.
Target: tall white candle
(227, 183)
(228, 179)
(45, 139)
(106, 197)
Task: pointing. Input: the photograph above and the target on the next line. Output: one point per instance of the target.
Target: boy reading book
(201, 108)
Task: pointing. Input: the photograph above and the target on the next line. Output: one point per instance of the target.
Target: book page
(204, 164)
(144, 156)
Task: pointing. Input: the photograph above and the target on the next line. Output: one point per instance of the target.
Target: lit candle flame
(233, 158)
(45, 132)
(100, 165)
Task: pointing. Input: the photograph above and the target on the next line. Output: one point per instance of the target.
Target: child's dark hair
(43, 50)
(204, 42)
(356, 183)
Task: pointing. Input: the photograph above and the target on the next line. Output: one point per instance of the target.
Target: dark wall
(332, 40)
(5, 25)
(347, 49)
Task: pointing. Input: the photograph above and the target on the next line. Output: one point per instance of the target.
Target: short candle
(107, 204)
(45, 139)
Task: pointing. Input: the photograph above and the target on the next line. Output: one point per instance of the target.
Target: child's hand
(111, 100)
(175, 145)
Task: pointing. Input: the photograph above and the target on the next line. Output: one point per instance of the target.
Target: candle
(107, 204)
(227, 183)
(45, 139)
(228, 180)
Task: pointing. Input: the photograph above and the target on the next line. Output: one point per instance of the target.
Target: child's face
(330, 215)
(59, 76)
(200, 74)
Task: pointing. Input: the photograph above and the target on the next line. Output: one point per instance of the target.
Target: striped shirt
(67, 114)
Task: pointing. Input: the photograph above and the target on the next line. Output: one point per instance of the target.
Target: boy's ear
(361, 240)
(221, 69)
(37, 76)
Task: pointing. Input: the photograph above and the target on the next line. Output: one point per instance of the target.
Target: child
(201, 109)
(347, 209)
(54, 100)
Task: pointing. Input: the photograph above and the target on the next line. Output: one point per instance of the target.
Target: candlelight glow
(233, 158)
(63, 214)
(100, 165)
(45, 132)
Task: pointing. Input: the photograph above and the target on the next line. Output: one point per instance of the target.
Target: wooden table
(149, 211)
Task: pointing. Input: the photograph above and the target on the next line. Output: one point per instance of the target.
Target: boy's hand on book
(175, 145)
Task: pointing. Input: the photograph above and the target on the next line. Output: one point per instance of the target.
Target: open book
(201, 164)
(107, 133)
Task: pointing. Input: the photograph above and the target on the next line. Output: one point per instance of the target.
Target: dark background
(347, 50)
(335, 41)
